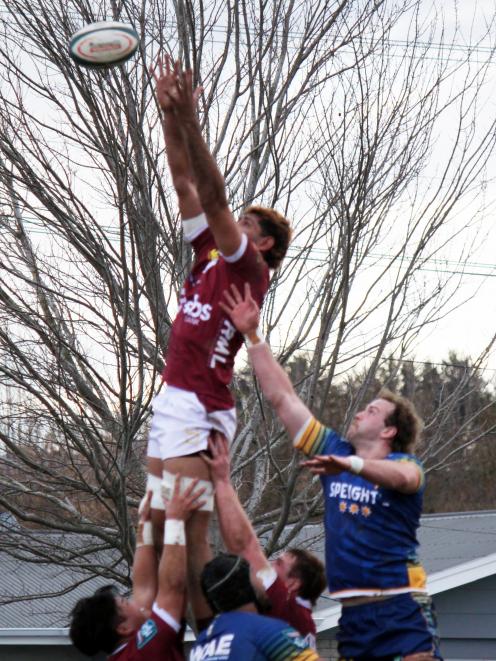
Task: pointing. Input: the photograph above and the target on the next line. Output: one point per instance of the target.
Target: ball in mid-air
(103, 44)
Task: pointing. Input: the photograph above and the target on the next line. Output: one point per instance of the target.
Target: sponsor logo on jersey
(358, 494)
(193, 309)
(215, 650)
(222, 351)
(147, 631)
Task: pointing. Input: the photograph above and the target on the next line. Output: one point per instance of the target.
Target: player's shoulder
(405, 457)
(316, 438)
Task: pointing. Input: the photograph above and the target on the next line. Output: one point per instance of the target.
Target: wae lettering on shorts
(219, 648)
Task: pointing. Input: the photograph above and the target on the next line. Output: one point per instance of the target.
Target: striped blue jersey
(251, 637)
(371, 532)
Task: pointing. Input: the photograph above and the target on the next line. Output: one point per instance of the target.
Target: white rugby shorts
(181, 424)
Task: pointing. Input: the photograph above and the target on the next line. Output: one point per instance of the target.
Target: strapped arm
(144, 570)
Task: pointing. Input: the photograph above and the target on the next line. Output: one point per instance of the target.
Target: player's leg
(154, 484)
(198, 545)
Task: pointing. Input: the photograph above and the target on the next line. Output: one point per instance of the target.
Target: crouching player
(149, 624)
(239, 631)
(294, 581)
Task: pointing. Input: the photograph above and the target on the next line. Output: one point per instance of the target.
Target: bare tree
(312, 107)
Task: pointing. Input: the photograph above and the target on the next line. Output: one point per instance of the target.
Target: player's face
(131, 614)
(371, 422)
(283, 565)
(250, 225)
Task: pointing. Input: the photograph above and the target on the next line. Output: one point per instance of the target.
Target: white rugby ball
(103, 44)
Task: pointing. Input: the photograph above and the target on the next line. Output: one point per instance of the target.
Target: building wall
(467, 621)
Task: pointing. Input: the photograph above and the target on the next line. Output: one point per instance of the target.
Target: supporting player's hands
(184, 502)
(220, 468)
(327, 464)
(244, 311)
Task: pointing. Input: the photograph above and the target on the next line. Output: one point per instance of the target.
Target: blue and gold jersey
(251, 637)
(371, 531)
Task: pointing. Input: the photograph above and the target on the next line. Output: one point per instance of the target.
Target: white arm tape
(259, 334)
(147, 535)
(267, 576)
(174, 532)
(356, 464)
(192, 227)
(154, 484)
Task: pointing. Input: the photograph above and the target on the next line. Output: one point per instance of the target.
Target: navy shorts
(388, 630)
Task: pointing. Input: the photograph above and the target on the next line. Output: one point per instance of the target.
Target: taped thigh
(154, 484)
(168, 482)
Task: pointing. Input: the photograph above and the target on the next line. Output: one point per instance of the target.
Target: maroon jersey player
(149, 625)
(294, 581)
(203, 341)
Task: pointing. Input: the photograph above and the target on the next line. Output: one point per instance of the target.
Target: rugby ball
(103, 44)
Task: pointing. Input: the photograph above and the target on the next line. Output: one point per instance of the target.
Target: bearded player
(203, 341)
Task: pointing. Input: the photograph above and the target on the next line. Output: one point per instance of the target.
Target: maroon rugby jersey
(293, 610)
(203, 341)
(155, 640)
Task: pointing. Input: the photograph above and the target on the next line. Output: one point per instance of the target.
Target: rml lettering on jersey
(221, 350)
(215, 650)
(353, 492)
(194, 310)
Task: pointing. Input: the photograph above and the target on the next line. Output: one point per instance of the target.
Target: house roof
(455, 549)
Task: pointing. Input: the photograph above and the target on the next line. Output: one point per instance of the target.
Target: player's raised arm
(176, 148)
(145, 558)
(275, 383)
(172, 568)
(236, 529)
(209, 181)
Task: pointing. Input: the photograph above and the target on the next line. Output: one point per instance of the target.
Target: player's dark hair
(405, 418)
(94, 622)
(273, 224)
(311, 573)
(226, 584)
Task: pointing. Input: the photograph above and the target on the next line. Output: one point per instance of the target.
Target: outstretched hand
(244, 311)
(327, 464)
(174, 88)
(218, 462)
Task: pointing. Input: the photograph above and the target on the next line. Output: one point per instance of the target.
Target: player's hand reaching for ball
(244, 311)
(174, 87)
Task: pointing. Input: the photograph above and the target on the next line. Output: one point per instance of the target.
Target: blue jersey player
(373, 488)
(238, 630)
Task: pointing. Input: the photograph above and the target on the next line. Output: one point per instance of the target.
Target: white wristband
(147, 535)
(174, 532)
(356, 464)
(258, 339)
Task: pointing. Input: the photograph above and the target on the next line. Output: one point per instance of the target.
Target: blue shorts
(388, 630)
